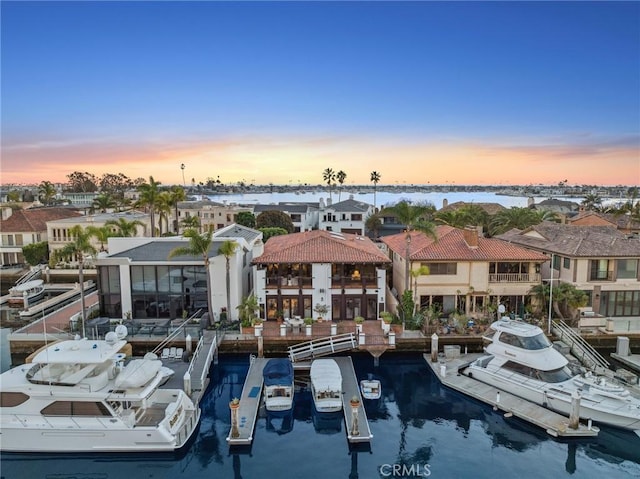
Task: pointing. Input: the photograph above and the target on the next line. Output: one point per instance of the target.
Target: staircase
(322, 347)
(581, 349)
(34, 273)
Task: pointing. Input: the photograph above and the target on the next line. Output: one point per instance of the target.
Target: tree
(36, 253)
(329, 176)
(148, 198)
(592, 202)
(415, 217)
(467, 215)
(192, 222)
(228, 249)
(516, 217)
(80, 182)
(101, 233)
(246, 218)
(123, 227)
(375, 178)
(566, 299)
(77, 249)
(271, 232)
(340, 176)
(163, 207)
(415, 274)
(46, 192)
(103, 202)
(13, 196)
(199, 245)
(115, 184)
(373, 223)
(274, 219)
(176, 195)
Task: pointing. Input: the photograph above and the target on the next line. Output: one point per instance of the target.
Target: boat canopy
(278, 371)
(82, 351)
(325, 375)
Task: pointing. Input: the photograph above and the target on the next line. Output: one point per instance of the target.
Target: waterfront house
(625, 223)
(137, 279)
(466, 272)
(347, 216)
(600, 260)
(297, 272)
(28, 226)
(58, 231)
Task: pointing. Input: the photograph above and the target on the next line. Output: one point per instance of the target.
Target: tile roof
(35, 219)
(451, 246)
(284, 207)
(588, 218)
(490, 208)
(320, 247)
(577, 241)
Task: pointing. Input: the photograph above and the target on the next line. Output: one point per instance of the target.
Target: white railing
(322, 347)
(196, 383)
(580, 348)
(514, 277)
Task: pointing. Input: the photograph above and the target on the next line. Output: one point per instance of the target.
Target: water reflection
(416, 423)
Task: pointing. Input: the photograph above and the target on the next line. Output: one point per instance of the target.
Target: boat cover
(278, 371)
(325, 375)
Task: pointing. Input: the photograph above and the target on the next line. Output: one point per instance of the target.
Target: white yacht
(522, 361)
(326, 385)
(31, 290)
(278, 384)
(80, 396)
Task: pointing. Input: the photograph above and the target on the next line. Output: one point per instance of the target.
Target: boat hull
(557, 397)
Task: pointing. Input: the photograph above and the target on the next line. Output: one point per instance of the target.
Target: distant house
(466, 272)
(303, 215)
(344, 272)
(600, 260)
(560, 207)
(212, 215)
(489, 208)
(347, 216)
(138, 278)
(28, 226)
(624, 223)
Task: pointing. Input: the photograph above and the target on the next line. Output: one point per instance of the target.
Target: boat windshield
(554, 376)
(536, 342)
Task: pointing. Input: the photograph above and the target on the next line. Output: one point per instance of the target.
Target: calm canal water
(430, 430)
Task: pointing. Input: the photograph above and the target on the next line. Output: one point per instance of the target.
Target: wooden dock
(249, 405)
(351, 388)
(555, 424)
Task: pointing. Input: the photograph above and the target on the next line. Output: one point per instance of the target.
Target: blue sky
(274, 91)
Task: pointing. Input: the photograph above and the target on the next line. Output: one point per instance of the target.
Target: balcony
(361, 281)
(514, 277)
(601, 276)
(289, 282)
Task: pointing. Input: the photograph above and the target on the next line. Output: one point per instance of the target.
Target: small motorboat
(370, 388)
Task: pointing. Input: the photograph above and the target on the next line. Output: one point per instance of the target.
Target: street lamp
(182, 167)
(550, 294)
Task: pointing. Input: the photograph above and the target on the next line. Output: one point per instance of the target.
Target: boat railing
(33, 273)
(175, 333)
(192, 383)
(580, 348)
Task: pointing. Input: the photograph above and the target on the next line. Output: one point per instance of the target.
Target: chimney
(445, 203)
(471, 236)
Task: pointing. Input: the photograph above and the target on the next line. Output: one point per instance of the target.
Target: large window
(627, 268)
(442, 268)
(620, 303)
(12, 399)
(109, 288)
(600, 270)
(75, 408)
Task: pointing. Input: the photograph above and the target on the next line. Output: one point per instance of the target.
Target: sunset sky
(271, 92)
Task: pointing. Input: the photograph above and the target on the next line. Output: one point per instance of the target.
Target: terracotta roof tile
(35, 220)
(320, 247)
(451, 246)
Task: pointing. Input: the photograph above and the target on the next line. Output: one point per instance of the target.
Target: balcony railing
(364, 281)
(514, 277)
(601, 276)
(289, 282)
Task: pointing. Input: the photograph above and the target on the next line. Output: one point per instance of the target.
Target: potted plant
(359, 320)
(234, 403)
(386, 321)
(308, 326)
(322, 310)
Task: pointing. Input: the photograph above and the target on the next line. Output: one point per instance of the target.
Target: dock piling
(434, 348)
(574, 417)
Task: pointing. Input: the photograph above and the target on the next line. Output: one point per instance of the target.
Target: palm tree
(148, 198)
(373, 223)
(228, 249)
(517, 217)
(101, 233)
(163, 207)
(46, 192)
(123, 227)
(192, 222)
(177, 195)
(199, 245)
(415, 274)
(80, 246)
(375, 178)
(414, 217)
(340, 176)
(592, 202)
(329, 176)
(103, 202)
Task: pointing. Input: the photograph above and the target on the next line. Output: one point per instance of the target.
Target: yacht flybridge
(522, 361)
(80, 396)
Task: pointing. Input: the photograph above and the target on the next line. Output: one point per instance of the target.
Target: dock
(632, 361)
(350, 389)
(553, 423)
(241, 434)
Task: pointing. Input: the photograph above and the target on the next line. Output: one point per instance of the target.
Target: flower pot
(307, 329)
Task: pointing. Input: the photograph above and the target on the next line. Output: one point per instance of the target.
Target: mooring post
(434, 348)
(260, 346)
(574, 417)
